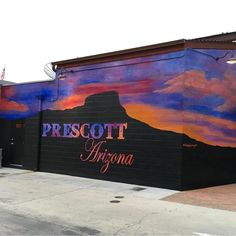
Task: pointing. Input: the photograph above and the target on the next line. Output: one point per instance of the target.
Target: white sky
(35, 32)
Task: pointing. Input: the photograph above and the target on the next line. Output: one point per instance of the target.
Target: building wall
(118, 101)
(150, 120)
(209, 118)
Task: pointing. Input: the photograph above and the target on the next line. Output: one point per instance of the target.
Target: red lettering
(82, 129)
(96, 155)
(75, 130)
(109, 130)
(121, 130)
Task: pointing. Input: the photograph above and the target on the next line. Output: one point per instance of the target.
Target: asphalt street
(16, 224)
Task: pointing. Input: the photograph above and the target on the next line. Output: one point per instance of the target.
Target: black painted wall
(5, 128)
(161, 158)
(157, 154)
(204, 165)
(1, 133)
(32, 143)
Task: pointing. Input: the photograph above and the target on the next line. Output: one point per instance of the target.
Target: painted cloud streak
(195, 85)
(6, 106)
(207, 129)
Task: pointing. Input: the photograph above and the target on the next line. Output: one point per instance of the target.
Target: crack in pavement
(132, 225)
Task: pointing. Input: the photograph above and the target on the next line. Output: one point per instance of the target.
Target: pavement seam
(49, 196)
(13, 174)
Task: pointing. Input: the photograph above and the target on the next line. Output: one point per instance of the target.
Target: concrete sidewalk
(33, 203)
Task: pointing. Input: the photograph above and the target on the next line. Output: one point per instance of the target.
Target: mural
(166, 120)
(185, 92)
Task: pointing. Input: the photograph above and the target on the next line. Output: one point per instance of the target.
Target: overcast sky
(35, 32)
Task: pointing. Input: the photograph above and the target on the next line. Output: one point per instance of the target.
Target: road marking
(205, 234)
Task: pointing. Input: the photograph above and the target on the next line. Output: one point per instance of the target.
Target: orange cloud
(135, 87)
(81, 93)
(69, 102)
(204, 128)
(6, 105)
(194, 84)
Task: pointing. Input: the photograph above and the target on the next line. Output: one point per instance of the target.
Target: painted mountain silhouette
(161, 158)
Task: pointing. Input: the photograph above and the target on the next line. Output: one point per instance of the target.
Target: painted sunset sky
(186, 92)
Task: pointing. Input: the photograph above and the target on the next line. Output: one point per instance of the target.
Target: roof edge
(223, 37)
(223, 45)
(5, 82)
(123, 54)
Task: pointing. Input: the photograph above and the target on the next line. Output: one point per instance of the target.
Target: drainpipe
(51, 73)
